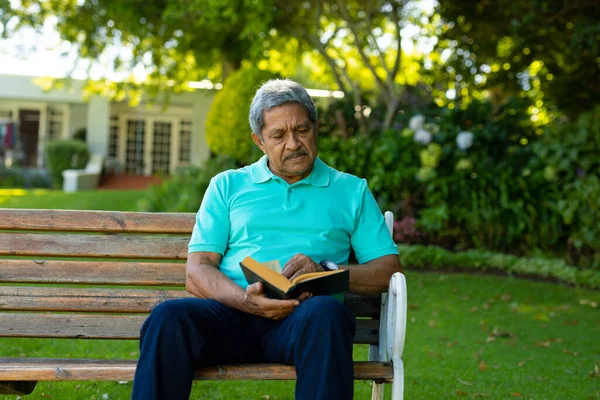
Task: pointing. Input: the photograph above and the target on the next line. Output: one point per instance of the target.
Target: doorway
(29, 131)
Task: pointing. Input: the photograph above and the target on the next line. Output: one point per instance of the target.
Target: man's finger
(289, 270)
(304, 296)
(255, 288)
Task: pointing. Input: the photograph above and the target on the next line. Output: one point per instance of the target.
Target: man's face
(289, 141)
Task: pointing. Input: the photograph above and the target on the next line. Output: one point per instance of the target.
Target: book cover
(279, 287)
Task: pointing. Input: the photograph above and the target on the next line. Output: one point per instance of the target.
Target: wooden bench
(72, 268)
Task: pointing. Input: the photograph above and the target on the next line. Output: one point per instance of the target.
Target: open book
(279, 287)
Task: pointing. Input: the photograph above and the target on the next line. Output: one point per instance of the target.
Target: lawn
(118, 200)
(469, 336)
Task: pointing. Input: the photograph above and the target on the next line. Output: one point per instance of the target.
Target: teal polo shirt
(253, 212)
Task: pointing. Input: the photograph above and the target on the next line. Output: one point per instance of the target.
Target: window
(134, 158)
(161, 147)
(185, 141)
(113, 137)
(55, 123)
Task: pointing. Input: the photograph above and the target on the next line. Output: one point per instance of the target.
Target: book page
(273, 265)
(314, 275)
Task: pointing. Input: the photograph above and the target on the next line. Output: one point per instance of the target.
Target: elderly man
(290, 207)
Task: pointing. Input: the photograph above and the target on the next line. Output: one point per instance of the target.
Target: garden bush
(421, 257)
(568, 154)
(18, 177)
(184, 191)
(65, 154)
(227, 127)
(480, 177)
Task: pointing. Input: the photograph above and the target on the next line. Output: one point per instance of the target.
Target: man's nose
(293, 142)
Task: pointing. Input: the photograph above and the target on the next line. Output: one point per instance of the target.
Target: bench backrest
(96, 274)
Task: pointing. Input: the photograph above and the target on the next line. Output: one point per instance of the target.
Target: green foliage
(65, 154)
(512, 190)
(536, 45)
(227, 127)
(184, 191)
(421, 257)
(16, 177)
(568, 154)
(11, 177)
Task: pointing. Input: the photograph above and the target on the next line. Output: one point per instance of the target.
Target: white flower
(422, 136)
(416, 122)
(464, 140)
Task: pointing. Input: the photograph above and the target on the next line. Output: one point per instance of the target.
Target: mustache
(295, 154)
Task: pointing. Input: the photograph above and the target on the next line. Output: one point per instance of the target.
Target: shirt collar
(319, 176)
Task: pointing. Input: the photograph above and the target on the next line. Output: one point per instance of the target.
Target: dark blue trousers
(181, 335)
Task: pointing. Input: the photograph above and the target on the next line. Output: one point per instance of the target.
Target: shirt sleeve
(211, 230)
(371, 238)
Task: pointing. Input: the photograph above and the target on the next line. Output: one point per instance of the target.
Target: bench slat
(96, 221)
(28, 369)
(93, 272)
(109, 246)
(15, 298)
(78, 326)
(100, 300)
(99, 326)
(363, 306)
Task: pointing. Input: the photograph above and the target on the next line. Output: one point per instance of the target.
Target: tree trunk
(390, 113)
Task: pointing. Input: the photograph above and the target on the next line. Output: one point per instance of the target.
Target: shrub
(184, 191)
(419, 257)
(568, 156)
(65, 154)
(11, 177)
(227, 127)
(19, 177)
(478, 177)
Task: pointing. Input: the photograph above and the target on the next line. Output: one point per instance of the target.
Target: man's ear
(258, 142)
(317, 127)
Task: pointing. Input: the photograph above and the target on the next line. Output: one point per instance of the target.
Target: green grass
(468, 336)
(117, 200)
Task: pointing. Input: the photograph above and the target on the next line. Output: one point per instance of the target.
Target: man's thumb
(255, 288)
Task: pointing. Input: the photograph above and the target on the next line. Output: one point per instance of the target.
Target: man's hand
(299, 265)
(255, 302)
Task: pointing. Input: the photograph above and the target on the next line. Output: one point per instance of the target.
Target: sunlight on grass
(8, 194)
(113, 200)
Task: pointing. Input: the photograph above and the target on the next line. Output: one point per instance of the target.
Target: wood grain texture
(26, 369)
(105, 246)
(77, 326)
(42, 298)
(107, 326)
(96, 221)
(84, 300)
(93, 272)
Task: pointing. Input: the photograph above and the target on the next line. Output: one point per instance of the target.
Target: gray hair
(276, 92)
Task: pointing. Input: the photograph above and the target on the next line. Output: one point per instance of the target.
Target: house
(142, 140)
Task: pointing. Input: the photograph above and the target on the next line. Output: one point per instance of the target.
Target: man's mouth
(295, 156)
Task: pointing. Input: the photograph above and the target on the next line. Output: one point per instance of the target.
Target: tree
(180, 41)
(550, 46)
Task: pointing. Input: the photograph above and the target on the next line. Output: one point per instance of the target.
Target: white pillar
(98, 125)
(201, 106)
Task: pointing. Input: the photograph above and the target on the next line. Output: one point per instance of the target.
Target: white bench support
(392, 330)
(83, 179)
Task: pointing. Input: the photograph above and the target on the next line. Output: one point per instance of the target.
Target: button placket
(287, 202)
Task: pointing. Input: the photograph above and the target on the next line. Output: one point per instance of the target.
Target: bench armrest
(392, 323)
